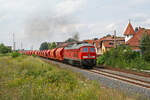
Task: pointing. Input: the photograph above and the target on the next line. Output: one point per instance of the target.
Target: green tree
(4, 49)
(52, 45)
(44, 46)
(145, 46)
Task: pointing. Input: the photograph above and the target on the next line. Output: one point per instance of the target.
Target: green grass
(29, 78)
(2, 55)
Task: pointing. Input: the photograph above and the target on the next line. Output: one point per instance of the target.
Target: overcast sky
(36, 21)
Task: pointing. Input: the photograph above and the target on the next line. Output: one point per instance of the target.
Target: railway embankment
(30, 78)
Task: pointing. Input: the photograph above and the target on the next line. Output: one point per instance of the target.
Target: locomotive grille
(89, 62)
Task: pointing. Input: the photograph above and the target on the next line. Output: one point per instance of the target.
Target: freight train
(80, 54)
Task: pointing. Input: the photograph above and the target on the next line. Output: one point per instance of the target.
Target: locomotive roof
(77, 46)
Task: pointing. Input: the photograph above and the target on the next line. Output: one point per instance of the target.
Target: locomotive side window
(92, 50)
(85, 50)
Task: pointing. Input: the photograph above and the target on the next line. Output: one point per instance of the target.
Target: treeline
(124, 57)
(46, 45)
(4, 49)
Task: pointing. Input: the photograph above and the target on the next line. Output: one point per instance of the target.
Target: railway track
(124, 78)
(131, 80)
(128, 82)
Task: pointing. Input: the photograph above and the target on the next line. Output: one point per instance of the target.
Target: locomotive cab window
(92, 49)
(85, 50)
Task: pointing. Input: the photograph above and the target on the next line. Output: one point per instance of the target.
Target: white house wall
(128, 37)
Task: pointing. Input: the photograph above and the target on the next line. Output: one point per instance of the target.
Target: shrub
(34, 55)
(4, 49)
(145, 46)
(101, 59)
(15, 54)
(123, 57)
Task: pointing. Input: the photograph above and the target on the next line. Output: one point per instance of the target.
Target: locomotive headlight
(92, 56)
(85, 56)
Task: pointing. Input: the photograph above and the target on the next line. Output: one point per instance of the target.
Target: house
(133, 37)
(106, 43)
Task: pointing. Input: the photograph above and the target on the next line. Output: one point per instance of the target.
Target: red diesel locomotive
(82, 54)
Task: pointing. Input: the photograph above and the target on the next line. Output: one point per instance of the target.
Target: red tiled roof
(108, 41)
(108, 44)
(98, 43)
(129, 30)
(108, 38)
(112, 38)
(94, 41)
(90, 41)
(135, 40)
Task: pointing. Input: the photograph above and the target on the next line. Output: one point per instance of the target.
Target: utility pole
(115, 39)
(14, 43)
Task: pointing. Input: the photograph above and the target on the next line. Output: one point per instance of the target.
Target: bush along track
(29, 78)
(125, 58)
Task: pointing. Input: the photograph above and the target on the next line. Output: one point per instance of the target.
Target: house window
(111, 43)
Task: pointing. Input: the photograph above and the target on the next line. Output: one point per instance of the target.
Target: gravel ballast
(128, 88)
(128, 75)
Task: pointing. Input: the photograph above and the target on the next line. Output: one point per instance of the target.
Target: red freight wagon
(48, 53)
(53, 53)
(44, 53)
(28, 52)
(59, 54)
(34, 52)
(31, 52)
(37, 53)
(40, 53)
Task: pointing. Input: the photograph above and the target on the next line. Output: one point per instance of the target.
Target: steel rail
(122, 78)
(148, 82)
